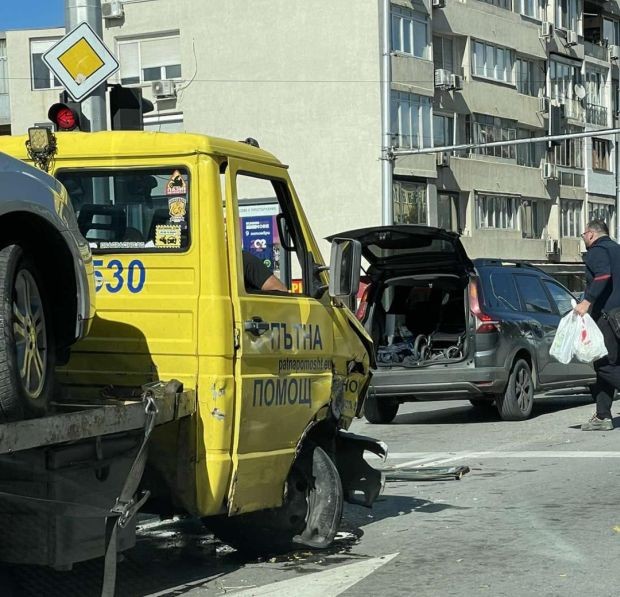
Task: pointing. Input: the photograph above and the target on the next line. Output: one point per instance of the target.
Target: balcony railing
(597, 51)
(596, 114)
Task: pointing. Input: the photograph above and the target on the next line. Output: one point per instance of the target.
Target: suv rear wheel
(380, 410)
(516, 403)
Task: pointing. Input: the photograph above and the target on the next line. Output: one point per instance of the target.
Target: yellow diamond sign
(81, 61)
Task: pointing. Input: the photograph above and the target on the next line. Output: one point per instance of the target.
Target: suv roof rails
(508, 262)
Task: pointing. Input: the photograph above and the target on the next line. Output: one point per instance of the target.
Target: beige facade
(304, 79)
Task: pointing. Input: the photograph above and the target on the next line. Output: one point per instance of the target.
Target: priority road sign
(81, 61)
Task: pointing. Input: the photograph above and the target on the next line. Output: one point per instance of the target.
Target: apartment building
(305, 80)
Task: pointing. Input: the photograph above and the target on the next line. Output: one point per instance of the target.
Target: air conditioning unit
(546, 29)
(112, 10)
(439, 3)
(543, 104)
(442, 159)
(552, 246)
(163, 89)
(572, 39)
(456, 82)
(614, 52)
(549, 171)
(442, 77)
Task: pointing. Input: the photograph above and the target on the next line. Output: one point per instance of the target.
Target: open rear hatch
(418, 299)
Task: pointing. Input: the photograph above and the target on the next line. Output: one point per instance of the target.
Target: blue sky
(27, 14)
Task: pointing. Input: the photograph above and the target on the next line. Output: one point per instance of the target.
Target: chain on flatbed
(91, 420)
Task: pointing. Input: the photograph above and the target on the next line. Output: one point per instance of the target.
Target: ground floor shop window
(409, 201)
(570, 212)
(496, 211)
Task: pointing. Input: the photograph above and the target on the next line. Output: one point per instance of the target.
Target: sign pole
(89, 11)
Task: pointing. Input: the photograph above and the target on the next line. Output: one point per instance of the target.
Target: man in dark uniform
(602, 294)
(258, 276)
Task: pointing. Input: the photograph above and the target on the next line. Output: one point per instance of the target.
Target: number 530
(134, 276)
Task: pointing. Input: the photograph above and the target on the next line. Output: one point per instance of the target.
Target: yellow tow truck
(266, 382)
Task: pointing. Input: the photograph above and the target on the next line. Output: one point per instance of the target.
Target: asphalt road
(539, 513)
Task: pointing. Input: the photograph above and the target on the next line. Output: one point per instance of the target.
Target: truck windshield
(131, 210)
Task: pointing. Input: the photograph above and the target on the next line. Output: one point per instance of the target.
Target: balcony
(573, 109)
(596, 50)
(596, 114)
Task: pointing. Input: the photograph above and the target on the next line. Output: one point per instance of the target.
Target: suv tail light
(484, 323)
(362, 308)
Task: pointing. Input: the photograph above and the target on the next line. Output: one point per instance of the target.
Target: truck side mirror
(344, 271)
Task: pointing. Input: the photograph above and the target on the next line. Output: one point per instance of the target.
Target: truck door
(283, 358)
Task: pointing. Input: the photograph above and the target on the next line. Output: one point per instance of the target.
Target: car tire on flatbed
(380, 410)
(27, 351)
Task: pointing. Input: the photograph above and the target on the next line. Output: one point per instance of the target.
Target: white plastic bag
(589, 344)
(566, 337)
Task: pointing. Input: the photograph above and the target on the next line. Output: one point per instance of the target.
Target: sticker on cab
(168, 236)
(177, 209)
(176, 184)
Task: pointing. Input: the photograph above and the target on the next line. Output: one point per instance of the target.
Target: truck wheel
(309, 516)
(380, 410)
(26, 342)
(515, 404)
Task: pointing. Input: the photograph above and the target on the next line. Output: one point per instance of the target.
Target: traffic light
(127, 106)
(67, 115)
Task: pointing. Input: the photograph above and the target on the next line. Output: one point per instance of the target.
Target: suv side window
(533, 294)
(504, 294)
(561, 297)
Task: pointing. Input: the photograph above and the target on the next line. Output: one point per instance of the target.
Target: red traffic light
(66, 117)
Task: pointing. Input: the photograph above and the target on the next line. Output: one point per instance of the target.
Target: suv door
(285, 346)
(561, 299)
(539, 324)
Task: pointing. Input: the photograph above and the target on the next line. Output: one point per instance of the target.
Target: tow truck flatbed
(86, 420)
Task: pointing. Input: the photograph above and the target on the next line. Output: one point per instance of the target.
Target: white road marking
(433, 458)
(328, 583)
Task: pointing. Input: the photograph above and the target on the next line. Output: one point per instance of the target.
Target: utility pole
(387, 216)
(89, 11)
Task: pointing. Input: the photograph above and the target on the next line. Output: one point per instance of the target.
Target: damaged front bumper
(361, 483)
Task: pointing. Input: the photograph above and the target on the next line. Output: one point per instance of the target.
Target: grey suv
(446, 327)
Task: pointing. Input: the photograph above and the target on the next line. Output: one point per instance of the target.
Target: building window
(164, 123)
(529, 154)
(409, 202)
(570, 212)
(531, 220)
(443, 130)
(487, 129)
(600, 155)
(443, 53)
(569, 153)
(411, 120)
(605, 212)
(496, 211)
(492, 62)
(42, 77)
(410, 33)
(448, 211)
(507, 4)
(529, 77)
(563, 77)
(567, 14)
(151, 59)
(596, 109)
(529, 8)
